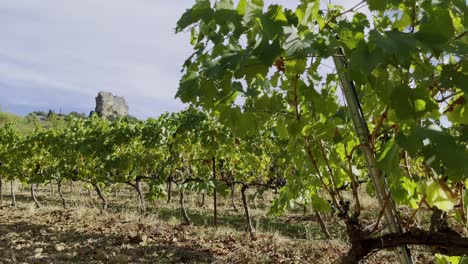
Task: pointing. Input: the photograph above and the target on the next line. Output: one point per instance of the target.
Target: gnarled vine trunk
(62, 197)
(141, 197)
(13, 195)
(115, 191)
(233, 203)
(33, 194)
(445, 243)
(1, 190)
(246, 210)
(169, 190)
(323, 226)
(183, 210)
(52, 192)
(202, 200)
(102, 197)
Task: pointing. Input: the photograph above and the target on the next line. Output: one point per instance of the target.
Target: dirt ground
(81, 234)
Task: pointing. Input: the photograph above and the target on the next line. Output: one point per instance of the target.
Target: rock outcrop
(108, 105)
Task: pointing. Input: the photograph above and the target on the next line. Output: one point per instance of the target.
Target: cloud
(80, 47)
(61, 53)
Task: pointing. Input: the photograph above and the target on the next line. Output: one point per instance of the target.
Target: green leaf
(440, 147)
(253, 8)
(382, 84)
(459, 114)
(438, 29)
(388, 160)
(402, 101)
(296, 66)
(398, 46)
(377, 5)
(241, 7)
(308, 11)
(409, 142)
(201, 9)
(364, 62)
(404, 22)
(258, 3)
(441, 259)
(272, 22)
(370, 189)
(319, 130)
(437, 196)
(224, 4)
(320, 205)
(403, 190)
(420, 105)
(188, 88)
(295, 44)
(267, 53)
(454, 78)
(282, 129)
(222, 188)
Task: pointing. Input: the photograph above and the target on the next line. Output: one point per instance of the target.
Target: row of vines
(188, 149)
(263, 115)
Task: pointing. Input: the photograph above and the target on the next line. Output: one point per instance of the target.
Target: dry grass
(81, 234)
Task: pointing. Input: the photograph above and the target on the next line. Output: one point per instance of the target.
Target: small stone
(4, 253)
(100, 255)
(38, 251)
(11, 235)
(6, 260)
(121, 258)
(59, 247)
(143, 238)
(115, 251)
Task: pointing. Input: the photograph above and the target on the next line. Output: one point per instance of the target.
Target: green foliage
(437, 196)
(6, 117)
(262, 112)
(441, 259)
(177, 147)
(260, 75)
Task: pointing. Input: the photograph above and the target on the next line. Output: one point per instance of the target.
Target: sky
(58, 55)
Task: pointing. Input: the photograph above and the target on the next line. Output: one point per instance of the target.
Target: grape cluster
(279, 63)
(345, 206)
(276, 182)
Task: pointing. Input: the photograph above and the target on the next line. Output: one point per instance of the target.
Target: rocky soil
(81, 234)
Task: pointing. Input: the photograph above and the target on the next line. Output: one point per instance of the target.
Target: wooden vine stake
(362, 130)
(215, 207)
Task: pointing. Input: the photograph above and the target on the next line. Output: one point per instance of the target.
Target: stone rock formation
(108, 105)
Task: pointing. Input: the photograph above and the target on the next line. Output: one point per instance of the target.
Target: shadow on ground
(32, 243)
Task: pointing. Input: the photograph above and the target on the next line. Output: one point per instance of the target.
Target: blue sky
(57, 54)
